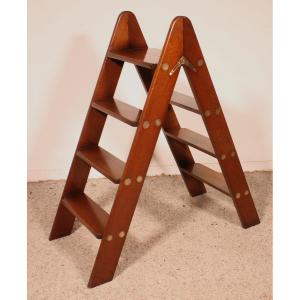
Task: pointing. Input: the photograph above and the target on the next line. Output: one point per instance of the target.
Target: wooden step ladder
(158, 71)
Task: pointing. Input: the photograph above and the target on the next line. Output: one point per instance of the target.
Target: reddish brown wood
(147, 58)
(87, 212)
(119, 110)
(208, 176)
(192, 138)
(128, 44)
(103, 161)
(184, 101)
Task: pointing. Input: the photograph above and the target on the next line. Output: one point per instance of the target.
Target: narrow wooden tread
(103, 161)
(90, 214)
(192, 138)
(119, 110)
(147, 57)
(208, 176)
(185, 101)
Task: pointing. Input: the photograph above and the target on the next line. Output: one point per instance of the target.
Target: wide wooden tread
(185, 101)
(88, 212)
(103, 161)
(208, 176)
(119, 110)
(147, 57)
(192, 138)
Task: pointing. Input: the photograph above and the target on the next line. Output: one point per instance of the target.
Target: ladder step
(119, 110)
(192, 138)
(147, 58)
(185, 101)
(88, 212)
(208, 176)
(103, 161)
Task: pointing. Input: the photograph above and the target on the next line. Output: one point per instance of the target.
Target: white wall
(67, 41)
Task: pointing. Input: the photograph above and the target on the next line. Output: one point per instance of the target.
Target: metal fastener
(157, 122)
(139, 179)
(146, 124)
(127, 181)
(232, 154)
(218, 110)
(223, 156)
(207, 113)
(109, 237)
(246, 193)
(200, 62)
(238, 195)
(121, 234)
(165, 67)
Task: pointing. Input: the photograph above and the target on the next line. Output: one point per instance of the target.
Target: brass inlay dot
(165, 67)
(238, 195)
(127, 181)
(146, 124)
(157, 122)
(246, 193)
(232, 154)
(109, 237)
(218, 110)
(207, 113)
(223, 156)
(139, 179)
(200, 62)
(121, 234)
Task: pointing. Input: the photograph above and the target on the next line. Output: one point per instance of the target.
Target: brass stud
(232, 154)
(157, 122)
(109, 237)
(146, 124)
(207, 113)
(238, 195)
(127, 181)
(246, 193)
(165, 67)
(200, 62)
(139, 179)
(218, 110)
(223, 156)
(121, 234)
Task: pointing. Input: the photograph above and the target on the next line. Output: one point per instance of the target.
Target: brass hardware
(157, 122)
(146, 124)
(139, 179)
(109, 237)
(165, 67)
(121, 234)
(127, 181)
(183, 61)
(238, 195)
(218, 110)
(223, 156)
(200, 62)
(207, 113)
(232, 154)
(246, 193)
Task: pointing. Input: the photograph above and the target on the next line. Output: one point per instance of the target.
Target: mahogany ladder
(158, 71)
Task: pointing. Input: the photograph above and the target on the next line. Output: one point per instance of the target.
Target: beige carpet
(178, 247)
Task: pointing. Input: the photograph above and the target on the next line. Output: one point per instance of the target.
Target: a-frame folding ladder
(158, 71)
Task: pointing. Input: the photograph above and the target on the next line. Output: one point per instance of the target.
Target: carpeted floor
(178, 247)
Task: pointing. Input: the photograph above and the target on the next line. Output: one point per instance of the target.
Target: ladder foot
(63, 223)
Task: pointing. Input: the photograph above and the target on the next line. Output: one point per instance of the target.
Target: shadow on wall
(69, 100)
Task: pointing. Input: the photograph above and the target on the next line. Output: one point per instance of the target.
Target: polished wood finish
(88, 212)
(192, 138)
(184, 101)
(128, 45)
(208, 176)
(147, 58)
(119, 110)
(103, 161)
